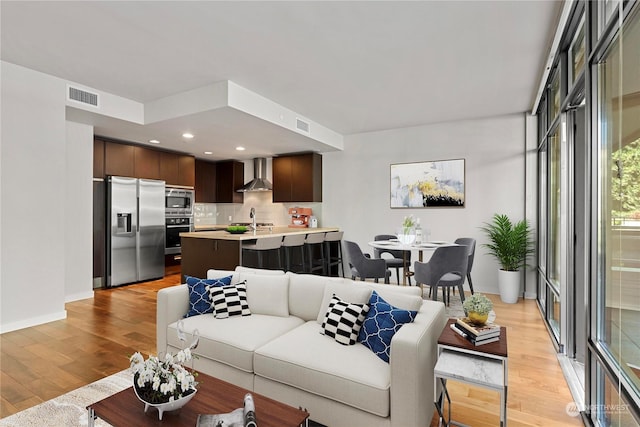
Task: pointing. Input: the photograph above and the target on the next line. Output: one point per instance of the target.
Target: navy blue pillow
(382, 322)
(199, 301)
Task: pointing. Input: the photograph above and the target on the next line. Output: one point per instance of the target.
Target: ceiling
(351, 67)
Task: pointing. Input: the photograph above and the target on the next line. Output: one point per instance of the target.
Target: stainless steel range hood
(260, 181)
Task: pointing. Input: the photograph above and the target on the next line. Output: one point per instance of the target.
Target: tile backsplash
(266, 210)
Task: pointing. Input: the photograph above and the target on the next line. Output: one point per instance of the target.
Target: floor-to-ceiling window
(589, 206)
(615, 332)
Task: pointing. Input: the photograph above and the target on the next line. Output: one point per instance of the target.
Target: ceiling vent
(302, 126)
(82, 96)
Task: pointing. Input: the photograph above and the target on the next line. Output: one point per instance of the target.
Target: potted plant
(511, 244)
(477, 307)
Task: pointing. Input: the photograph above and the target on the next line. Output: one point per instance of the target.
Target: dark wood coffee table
(214, 396)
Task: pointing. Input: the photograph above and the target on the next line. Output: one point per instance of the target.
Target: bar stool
(334, 238)
(262, 245)
(289, 243)
(314, 242)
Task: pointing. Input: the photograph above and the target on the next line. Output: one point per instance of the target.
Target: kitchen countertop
(252, 235)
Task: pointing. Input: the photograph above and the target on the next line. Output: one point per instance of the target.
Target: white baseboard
(78, 296)
(33, 321)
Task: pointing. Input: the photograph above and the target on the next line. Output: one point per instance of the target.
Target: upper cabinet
(297, 178)
(205, 181)
(120, 159)
(229, 177)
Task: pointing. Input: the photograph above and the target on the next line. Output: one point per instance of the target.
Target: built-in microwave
(178, 202)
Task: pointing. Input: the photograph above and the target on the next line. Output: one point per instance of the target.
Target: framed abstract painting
(428, 184)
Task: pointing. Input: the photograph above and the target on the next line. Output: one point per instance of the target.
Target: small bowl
(236, 229)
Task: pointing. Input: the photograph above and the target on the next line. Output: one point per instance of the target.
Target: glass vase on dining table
(406, 235)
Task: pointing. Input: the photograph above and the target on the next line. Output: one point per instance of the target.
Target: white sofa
(278, 350)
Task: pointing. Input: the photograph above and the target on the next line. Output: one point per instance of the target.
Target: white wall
(356, 182)
(78, 216)
(37, 244)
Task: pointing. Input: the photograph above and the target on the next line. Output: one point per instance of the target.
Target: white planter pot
(509, 286)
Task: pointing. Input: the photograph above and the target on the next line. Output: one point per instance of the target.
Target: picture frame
(428, 184)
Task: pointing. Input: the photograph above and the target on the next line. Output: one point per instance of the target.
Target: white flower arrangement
(161, 381)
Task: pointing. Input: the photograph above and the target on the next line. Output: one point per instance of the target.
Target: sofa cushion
(346, 291)
(232, 341)
(380, 325)
(213, 273)
(352, 375)
(199, 301)
(267, 294)
(305, 295)
(343, 321)
(229, 300)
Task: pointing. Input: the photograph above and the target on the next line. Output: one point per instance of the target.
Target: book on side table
(476, 334)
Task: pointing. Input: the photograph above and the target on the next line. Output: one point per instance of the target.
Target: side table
(460, 360)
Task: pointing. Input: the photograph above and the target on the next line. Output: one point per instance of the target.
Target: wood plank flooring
(42, 362)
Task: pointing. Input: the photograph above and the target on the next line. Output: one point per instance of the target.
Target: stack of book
(477, 335)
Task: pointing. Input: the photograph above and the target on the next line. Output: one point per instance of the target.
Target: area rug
(70, 409)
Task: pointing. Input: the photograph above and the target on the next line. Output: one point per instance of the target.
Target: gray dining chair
(445, 260)
(470, 243)
(401, 259)
(365, 267)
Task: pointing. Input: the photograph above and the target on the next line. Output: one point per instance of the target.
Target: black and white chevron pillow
(229, 300)
(343, 320)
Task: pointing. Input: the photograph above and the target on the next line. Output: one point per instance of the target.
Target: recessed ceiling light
(154, 141)
(187, 135)
(240, 148)
(208, 152)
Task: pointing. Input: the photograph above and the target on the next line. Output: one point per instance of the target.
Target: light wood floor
(39, 363)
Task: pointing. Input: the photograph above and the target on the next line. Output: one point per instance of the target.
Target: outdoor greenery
(510, 243)
(625, 184)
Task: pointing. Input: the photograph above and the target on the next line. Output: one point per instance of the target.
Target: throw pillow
(382, 322)
(268, 294)
(230, 300)
(199, 302)
(343, 320)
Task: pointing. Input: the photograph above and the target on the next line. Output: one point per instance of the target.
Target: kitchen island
(222, 250)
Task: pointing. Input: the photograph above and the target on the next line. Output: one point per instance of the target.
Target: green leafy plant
(477, 303)
(510, 243)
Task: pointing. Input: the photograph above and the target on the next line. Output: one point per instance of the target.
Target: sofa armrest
(172, 305)
(414, 352)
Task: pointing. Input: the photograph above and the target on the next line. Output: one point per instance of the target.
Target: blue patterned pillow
(199, 301)
(382, 322)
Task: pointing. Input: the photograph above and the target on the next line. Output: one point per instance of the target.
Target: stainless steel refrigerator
(135, 230)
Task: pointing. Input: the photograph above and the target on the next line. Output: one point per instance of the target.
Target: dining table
(397, 245)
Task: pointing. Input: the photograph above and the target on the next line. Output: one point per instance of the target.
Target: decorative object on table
(477, 335)
(236, 229)
(240, 417)
(407, 233)
(477, 307)
(511, 244)
(165, 384)
(428, 184)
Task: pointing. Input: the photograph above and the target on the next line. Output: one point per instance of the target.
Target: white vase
(406, 235)
(168, 406)
(509, 286)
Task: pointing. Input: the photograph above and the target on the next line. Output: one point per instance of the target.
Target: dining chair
(365, 267)
(445, 260)
(266, 244)
(401, 259)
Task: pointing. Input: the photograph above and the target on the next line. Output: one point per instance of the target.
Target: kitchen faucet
(252, 215)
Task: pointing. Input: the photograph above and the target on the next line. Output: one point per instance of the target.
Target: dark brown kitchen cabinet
(297, 178)
(98, 158)
(169, 167)
(119, 159)
(205, 181)
(146, 163)
(229, 177)
(186, 170)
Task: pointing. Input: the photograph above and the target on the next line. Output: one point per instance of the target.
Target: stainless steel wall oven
(175, 226)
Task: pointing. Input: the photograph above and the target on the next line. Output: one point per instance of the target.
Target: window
(577, 53)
